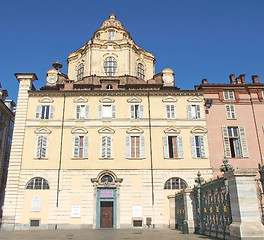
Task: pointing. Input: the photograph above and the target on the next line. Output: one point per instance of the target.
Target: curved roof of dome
(112, 22)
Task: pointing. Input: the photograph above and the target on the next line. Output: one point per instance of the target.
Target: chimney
(255, 78)
(204, 81)
(232, 78)
(243, 78)
(238, 80)
(196, 87)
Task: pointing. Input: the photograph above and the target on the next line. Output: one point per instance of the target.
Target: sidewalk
(100, 234)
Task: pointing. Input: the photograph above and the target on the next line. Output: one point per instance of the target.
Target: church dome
(112, 22)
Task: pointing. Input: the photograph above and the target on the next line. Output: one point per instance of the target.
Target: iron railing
(179, 209)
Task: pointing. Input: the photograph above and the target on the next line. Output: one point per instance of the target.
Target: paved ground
(100, 234)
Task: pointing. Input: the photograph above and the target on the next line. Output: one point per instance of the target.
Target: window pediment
(42, 130)
(195, 99)
(169, 99)
(46, 100)
(135, 130)
(80, 100)
(134, 100)
(172, 130)
(106, 100)
(106, 130)
(79, 130)
(198, 130)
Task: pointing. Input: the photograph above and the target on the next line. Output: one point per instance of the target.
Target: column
(189, 208)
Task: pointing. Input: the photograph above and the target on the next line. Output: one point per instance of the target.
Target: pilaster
(189, 208)
(172, 211)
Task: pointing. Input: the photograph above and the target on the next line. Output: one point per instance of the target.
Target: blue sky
(195, 38)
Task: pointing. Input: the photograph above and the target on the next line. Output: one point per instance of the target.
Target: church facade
(105, 145)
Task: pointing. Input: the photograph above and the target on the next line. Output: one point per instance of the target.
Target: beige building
(106, 144)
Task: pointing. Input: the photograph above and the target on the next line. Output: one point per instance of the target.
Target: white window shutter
(77, 111)
(142, 147)
(132, 111)
(38, 112)
(75, 146)
(232, 110)
(226, 95)
(109, 146)
(128, 147)
(231, 95)
(202, 145)
(38, 146)
(198, 111)
(189, 111)
(141, 111)
(51, 113)
(193, 147)
(166, 147)
(103, 147)
(167, 110)
(113, 111)
(85, 147)
(228, 113)
(180, 147)
(226, 142)
(243, 142)
(100, 109)
(173, 111)
(86, 111)
(44, 146)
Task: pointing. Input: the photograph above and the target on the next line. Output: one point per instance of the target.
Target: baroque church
(105, 145)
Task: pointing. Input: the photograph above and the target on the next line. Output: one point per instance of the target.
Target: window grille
(141, 72)
(110, 66)
(38, 184)
(175, 183)
(80, 71)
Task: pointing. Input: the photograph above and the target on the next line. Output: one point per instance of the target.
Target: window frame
(136, 111)
(101, 110)
(80, 147)
(44, 184)
(229, 95)
(83, 112)
(110, 66)
(197, 113)
(44, 112)
(171, 184)
(111, 35)
(106, 150)
(141, 147)
(141, 71)
(198, 146)
(230, 111)
(170, 111)
(41, 147)
(80, 70)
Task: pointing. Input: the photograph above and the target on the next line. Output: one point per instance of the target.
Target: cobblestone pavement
(100, 234)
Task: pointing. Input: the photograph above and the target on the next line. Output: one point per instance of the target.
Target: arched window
(110, 66)
(175, 183)
(106, 178)
(141, 72)
(109, 87)
(80, 72)
(38, 183)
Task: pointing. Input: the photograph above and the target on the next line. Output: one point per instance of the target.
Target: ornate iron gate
(179, 208)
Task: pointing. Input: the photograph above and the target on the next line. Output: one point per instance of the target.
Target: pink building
(235, 122)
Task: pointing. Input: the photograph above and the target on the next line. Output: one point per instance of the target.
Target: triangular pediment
(46, 100)
(169, 99)
(107, 100)
(106, 130)
(80, 100)
(135, 130)
(134, 100)
(79, 130)
(172, 130)
(198, 130)
(42, 130)
(195, 99)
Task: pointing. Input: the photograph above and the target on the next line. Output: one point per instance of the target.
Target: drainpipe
(59, 168)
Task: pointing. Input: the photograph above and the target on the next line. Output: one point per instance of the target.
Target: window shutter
(132, 111)
(226, 96)
(193, 147)
(198, 111)
(86, 111)
(172, 111)
(165, 147)
(141, 111)
(231, 95)
(38, 112)
(113, 111)
(226, 142)
(77, 111)
(243, 142)
(232, 110)
(44, 147)
(103, 147)
(38, 146)
(142, 147)
(51, 113)
(228, 113)
(85, 147)
(109, 146)
(128, 147)
(189, 111)
(203, 148)
(167, 107)
(76, 147)
(100, 108)
(180, 147)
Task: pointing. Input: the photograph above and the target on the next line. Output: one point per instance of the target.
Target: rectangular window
(34, 223)
(82, 111)
(230, 112)
(173, 147)
(235, 142)
(111, 35)
(107, 111)
(136, 111)
(80, 147)
(44, 112)
(170, 111)
(198, 147)
(106, 147)
(194, 111)
(135, 147)
(229, 95)
(42, 147)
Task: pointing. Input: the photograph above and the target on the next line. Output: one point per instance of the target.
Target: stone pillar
(189, 208)
(172, 211)
(244, 205)
(14, 193)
